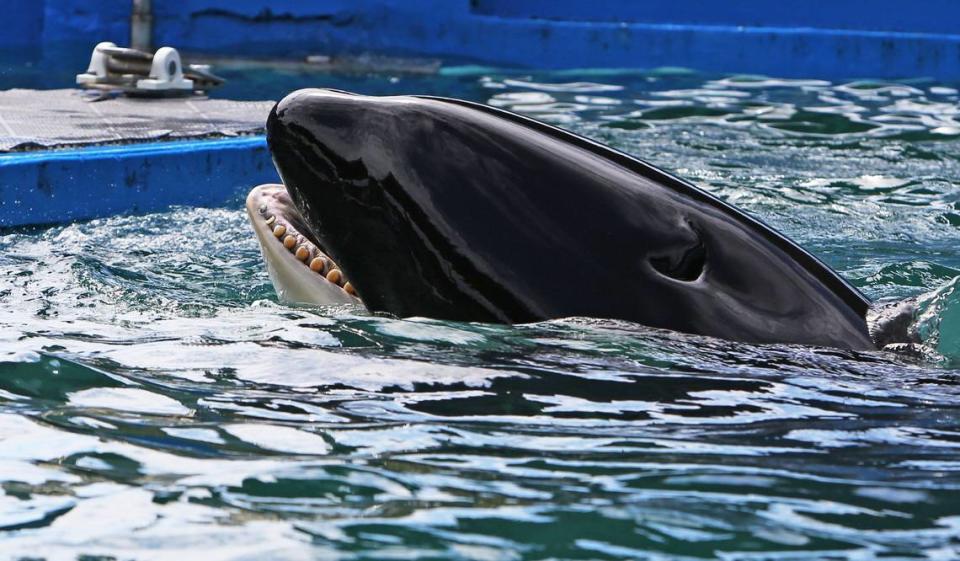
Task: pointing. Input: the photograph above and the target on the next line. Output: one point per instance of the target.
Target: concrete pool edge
(57, 186)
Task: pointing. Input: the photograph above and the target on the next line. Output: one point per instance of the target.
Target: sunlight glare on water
(156, 402)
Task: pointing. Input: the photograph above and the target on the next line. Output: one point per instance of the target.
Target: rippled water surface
(156, 402)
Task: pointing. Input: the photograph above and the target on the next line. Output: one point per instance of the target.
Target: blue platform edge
(800, 38)
(84, 183)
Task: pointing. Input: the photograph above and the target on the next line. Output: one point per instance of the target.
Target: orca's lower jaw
(301, 272)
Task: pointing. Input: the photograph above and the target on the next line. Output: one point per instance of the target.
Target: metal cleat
(138, 73)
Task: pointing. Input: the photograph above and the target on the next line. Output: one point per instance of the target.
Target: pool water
(156, 402)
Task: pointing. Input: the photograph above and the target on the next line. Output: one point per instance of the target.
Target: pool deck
(65, 158)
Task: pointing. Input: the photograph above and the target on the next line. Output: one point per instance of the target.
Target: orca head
(453, 210)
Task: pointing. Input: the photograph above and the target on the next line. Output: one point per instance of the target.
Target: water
(157, 403)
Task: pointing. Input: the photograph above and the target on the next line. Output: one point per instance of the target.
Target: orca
(449, 209)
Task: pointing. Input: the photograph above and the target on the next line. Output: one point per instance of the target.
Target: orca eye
(687, 266)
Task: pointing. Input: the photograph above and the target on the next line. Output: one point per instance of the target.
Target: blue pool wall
(789, 38)
(61, 186)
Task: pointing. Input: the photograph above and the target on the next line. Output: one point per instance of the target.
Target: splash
(938, 320)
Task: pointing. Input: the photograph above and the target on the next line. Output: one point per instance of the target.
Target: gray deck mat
(38, 119)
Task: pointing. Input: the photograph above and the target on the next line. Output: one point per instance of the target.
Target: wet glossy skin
(453, 210)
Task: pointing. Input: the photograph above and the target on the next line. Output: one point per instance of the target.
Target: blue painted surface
(33, 23)
(85, 21)
(799, 38)
(790, 38)
(24, 23)
(878, 15)
(79, 184)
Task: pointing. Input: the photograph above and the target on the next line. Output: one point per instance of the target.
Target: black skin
(454, 210)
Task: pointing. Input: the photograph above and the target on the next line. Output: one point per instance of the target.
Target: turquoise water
(156, 402)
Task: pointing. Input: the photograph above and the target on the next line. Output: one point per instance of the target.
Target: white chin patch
(300, 272)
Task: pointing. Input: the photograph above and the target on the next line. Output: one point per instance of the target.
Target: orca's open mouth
(299, 269)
